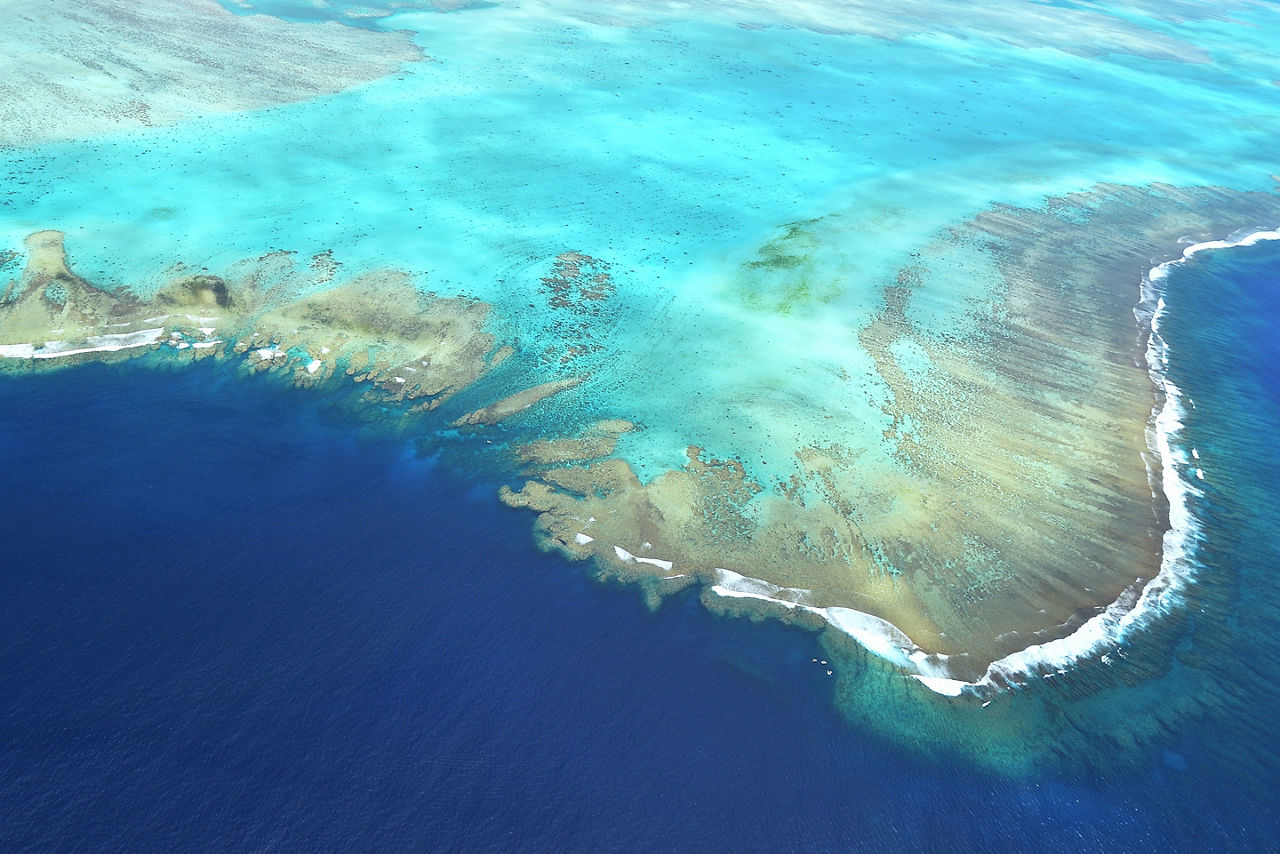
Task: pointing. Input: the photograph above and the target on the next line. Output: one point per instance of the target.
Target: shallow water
(673, 151)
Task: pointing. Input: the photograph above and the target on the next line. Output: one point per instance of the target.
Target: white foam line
(885, 640)
(97, 344)
(627, 557)
(730, 593)
(876, 635)
(1161, 270)
(733, 584)
(100, 344)
(942, 685)
(1167, 423)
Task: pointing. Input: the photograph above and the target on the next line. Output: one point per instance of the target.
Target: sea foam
(96, 344)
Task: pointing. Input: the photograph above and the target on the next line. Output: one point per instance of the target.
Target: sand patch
(157, 62)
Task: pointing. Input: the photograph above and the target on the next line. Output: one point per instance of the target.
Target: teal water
(672, 150)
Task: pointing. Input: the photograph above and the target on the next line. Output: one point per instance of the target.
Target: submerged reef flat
(1084, 31)
(158, 62)
(409, 350)
(1012, 497)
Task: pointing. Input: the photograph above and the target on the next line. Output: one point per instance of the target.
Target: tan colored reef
(598, 440)
(275, 315)
(1018, 501)
(503, 409)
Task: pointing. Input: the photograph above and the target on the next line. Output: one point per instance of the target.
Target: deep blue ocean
(229, 620)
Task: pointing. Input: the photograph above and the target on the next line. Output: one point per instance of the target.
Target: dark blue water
(226, 623)
(1223, 331)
